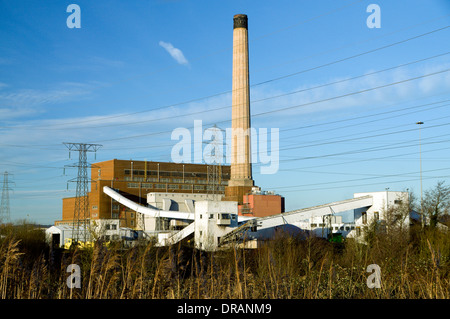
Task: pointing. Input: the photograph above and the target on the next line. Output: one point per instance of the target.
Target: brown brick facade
(134, 179)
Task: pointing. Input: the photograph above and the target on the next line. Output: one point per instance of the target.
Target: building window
(358, 231)
(177, 180)
(173, 186)
(133, 185)
(160, 186)
(376, 215)
(199, 187)
(132, 215)
(189, 187)
(397, 201)
(313, 225)
(115, 207)
(113, 226)
(95, 207)
(364, 217)
(164, 180)
(147, 185)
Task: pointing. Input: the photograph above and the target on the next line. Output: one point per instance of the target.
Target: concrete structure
(135, 179)
(178, 202)
(378, 212)
(213, 219)
(302, 217)
(241, 181)
(216, 223)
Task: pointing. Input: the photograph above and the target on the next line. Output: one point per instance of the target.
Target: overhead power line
(367, 184)
(263, 99)
(253, 85)
(361, 179)
(291, 107)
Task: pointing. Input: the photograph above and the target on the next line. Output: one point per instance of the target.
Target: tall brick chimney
(241, 181)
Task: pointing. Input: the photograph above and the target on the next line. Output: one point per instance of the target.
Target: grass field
(412, 266)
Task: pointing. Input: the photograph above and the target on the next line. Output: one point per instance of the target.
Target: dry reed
(285, 267)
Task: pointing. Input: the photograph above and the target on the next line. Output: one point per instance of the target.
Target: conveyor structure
(243, 223)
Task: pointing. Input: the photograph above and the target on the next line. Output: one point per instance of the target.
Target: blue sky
(345, 97)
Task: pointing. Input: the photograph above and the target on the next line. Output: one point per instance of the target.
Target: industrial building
(171, 202)
(216, 223)
(136, 179)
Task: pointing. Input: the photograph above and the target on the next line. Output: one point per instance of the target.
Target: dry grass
(285, 267)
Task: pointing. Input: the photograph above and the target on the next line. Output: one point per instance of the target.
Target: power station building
(135, 179)
(162, 185)
(216, 205)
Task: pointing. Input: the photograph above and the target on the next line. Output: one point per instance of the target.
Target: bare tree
(436, 202)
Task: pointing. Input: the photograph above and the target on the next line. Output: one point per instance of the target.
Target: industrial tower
(4, 208)
(81, 215)
(241, 181)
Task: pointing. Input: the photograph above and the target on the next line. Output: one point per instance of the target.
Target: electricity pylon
(81, 213)
(214, 171)
(4, 207)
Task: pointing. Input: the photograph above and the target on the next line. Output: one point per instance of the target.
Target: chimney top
(240, 21)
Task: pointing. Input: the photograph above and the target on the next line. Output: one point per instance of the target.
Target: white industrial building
(213, 223)
(174, 202)
(382, 201)
(101, 229)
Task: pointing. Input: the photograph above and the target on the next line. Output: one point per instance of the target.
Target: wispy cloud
(177, 54)
(16, 103)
